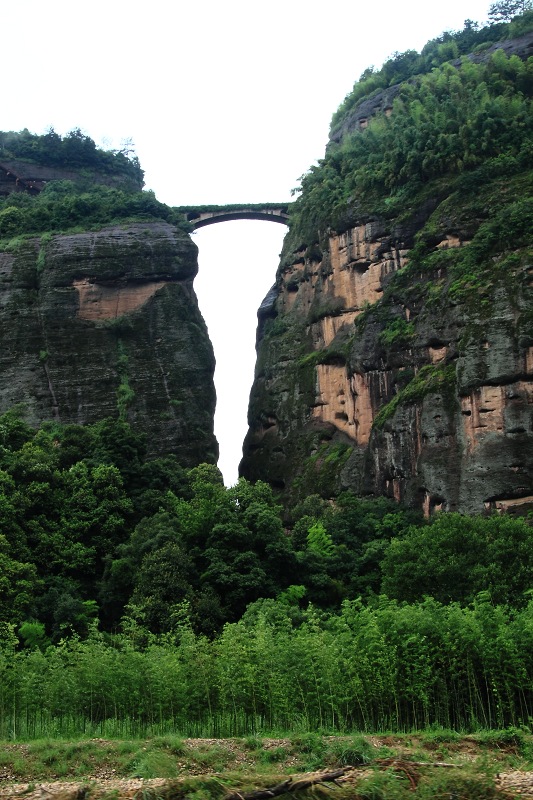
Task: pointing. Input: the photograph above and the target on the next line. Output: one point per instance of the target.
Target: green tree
(319, 541)
(19, 584)
(456, 557)
(234, 570)
(505, 10)
(162, 583)
(33, 635)
(122, 575)
(14, 432)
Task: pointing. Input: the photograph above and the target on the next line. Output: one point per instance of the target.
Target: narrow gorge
(395, 350)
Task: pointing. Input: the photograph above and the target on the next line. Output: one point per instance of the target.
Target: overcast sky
(226, 102)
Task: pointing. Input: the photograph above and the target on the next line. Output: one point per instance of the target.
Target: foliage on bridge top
(234, 207)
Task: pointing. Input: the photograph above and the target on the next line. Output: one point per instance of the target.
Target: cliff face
(425, 396)
(395, 352)
(107, 324)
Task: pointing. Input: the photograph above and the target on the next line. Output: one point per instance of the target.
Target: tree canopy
(75, 150)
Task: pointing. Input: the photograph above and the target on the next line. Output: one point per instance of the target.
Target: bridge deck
(208, 215)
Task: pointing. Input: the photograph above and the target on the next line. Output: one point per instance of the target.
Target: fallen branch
(398, 765)
(387, 762)
(291, 785)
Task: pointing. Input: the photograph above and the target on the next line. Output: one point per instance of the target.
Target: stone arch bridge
(200, 216)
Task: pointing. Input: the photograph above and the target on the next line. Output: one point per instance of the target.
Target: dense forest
(137, 595)
(140, 596)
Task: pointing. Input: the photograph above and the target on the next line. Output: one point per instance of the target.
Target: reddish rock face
(106, 324)
(427, 401)
(97, 302)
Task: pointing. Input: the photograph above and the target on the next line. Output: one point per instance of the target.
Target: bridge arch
(201, 216)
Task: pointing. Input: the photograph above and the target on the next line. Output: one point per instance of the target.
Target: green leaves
(444, 123)
(319, 541)
(18, 583)
(455, 558)
(505, 10)
(379, 667)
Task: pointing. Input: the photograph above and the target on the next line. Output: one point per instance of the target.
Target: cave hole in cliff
(237, 266)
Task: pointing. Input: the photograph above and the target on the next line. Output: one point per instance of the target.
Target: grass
(387, 767)
(356, 750)
(273, 755)
(214, 758)
(149, 763)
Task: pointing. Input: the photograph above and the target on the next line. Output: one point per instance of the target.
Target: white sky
(226, 102)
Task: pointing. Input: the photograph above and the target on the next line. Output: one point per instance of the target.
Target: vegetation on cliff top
(63, 206)
(82, 201)
(457, 118)
(449, 46)
(75, 151)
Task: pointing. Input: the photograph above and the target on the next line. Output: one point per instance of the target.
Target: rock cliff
(395, 351)
(422, 395)
(106, 323)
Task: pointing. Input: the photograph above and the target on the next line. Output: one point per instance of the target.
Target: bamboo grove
(388, 666)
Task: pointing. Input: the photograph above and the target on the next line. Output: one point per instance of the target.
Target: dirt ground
(105, 784)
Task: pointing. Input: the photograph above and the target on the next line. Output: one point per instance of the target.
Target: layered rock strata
(376, 375)
(106, 324)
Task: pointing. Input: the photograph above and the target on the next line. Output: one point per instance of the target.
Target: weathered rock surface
(106, 324)
(427, 398)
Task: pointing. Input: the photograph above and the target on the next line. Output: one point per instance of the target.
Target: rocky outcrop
(18, 175)
(380, 374)
(106, 323)
(381, 101)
